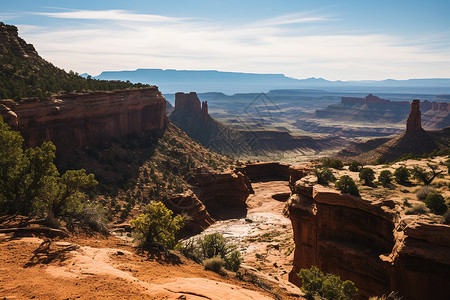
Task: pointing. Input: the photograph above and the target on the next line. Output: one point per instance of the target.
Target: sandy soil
(100, 268)
(264, 236)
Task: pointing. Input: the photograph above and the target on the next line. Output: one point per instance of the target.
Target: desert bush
(347, 185)
(326, 286)
(435, 201)
(324, 176)
(379, 161)
(333, 163)
(367, 175)
(423, 192)
(90, 218)
(213, 245)
(391, 296)
(355, 166)
(401, 175)
(214, 264)
(157, 225)
(417, 209)
(385, 178)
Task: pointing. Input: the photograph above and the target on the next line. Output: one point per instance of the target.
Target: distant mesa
(191, 103)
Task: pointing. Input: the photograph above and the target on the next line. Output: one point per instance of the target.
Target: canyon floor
(264, 236)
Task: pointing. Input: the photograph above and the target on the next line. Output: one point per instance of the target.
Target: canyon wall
(76, 120)
(366, 241)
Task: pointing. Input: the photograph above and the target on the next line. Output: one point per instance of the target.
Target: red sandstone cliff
(77, 120)
(364, 241)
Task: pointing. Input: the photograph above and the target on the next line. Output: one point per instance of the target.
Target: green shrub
(324, 175)
(333, 163)
(355, 166)
(157, 225)
(326, 286)
(447, 217)
(214, 264)
(367, 175)
(347, 185)
(436, 203)
(213, 245)
(385, 178)
(423, 192)
(379, 161)
(401, 175)
(417, 209)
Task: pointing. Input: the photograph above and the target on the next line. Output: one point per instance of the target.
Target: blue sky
(336, 40)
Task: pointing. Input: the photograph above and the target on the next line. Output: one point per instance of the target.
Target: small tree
(385, 178)
(355, 166)
(424, 176)
(401, 175)
(436, 203)
(367, 175)
(324, 175)
(347, 185)
(326, 286)
(333, 163)
(157, 225)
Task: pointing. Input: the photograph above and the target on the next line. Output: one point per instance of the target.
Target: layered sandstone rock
(188, 203)
(77, 120)
(187, 102)
(220, 191)
(9, 39)
(366, 242)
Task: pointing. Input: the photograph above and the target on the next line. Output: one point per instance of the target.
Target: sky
(335, 40)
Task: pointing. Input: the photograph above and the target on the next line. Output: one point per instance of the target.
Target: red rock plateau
(77, 120)
(367, 242)
(374, 109)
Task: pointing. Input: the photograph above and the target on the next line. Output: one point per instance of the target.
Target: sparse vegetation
(385, 178)
(211, 246)
(157, 225)
(425, 177)
(417, 209)
(355, 166)
(401, 175)
(214, 264)
(318, 285)
(436, 203)
(324, 175)
(333, 163)
(347, 185)
(367, 175)
(423, 192)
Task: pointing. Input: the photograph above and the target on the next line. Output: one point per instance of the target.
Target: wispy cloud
(116, 15)
(118, 43)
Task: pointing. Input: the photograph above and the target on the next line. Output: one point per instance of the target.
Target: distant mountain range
(171, 81)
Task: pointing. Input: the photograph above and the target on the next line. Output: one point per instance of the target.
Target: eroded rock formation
(220, 191)
(187, 102)
(77, 120)
(366, 242)
(188, 203)
(414, 121)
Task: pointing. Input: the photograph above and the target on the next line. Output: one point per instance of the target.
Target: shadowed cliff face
(365, 241)
(77, 120)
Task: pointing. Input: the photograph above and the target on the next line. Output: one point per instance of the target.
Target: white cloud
(119, 43)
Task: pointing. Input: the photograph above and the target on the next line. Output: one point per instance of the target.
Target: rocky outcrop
(366, 242)
(265, 170)
(221, 191)
(375, 110)
(76, 120)
(188, 203)
(9, 39)
(414, 122)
